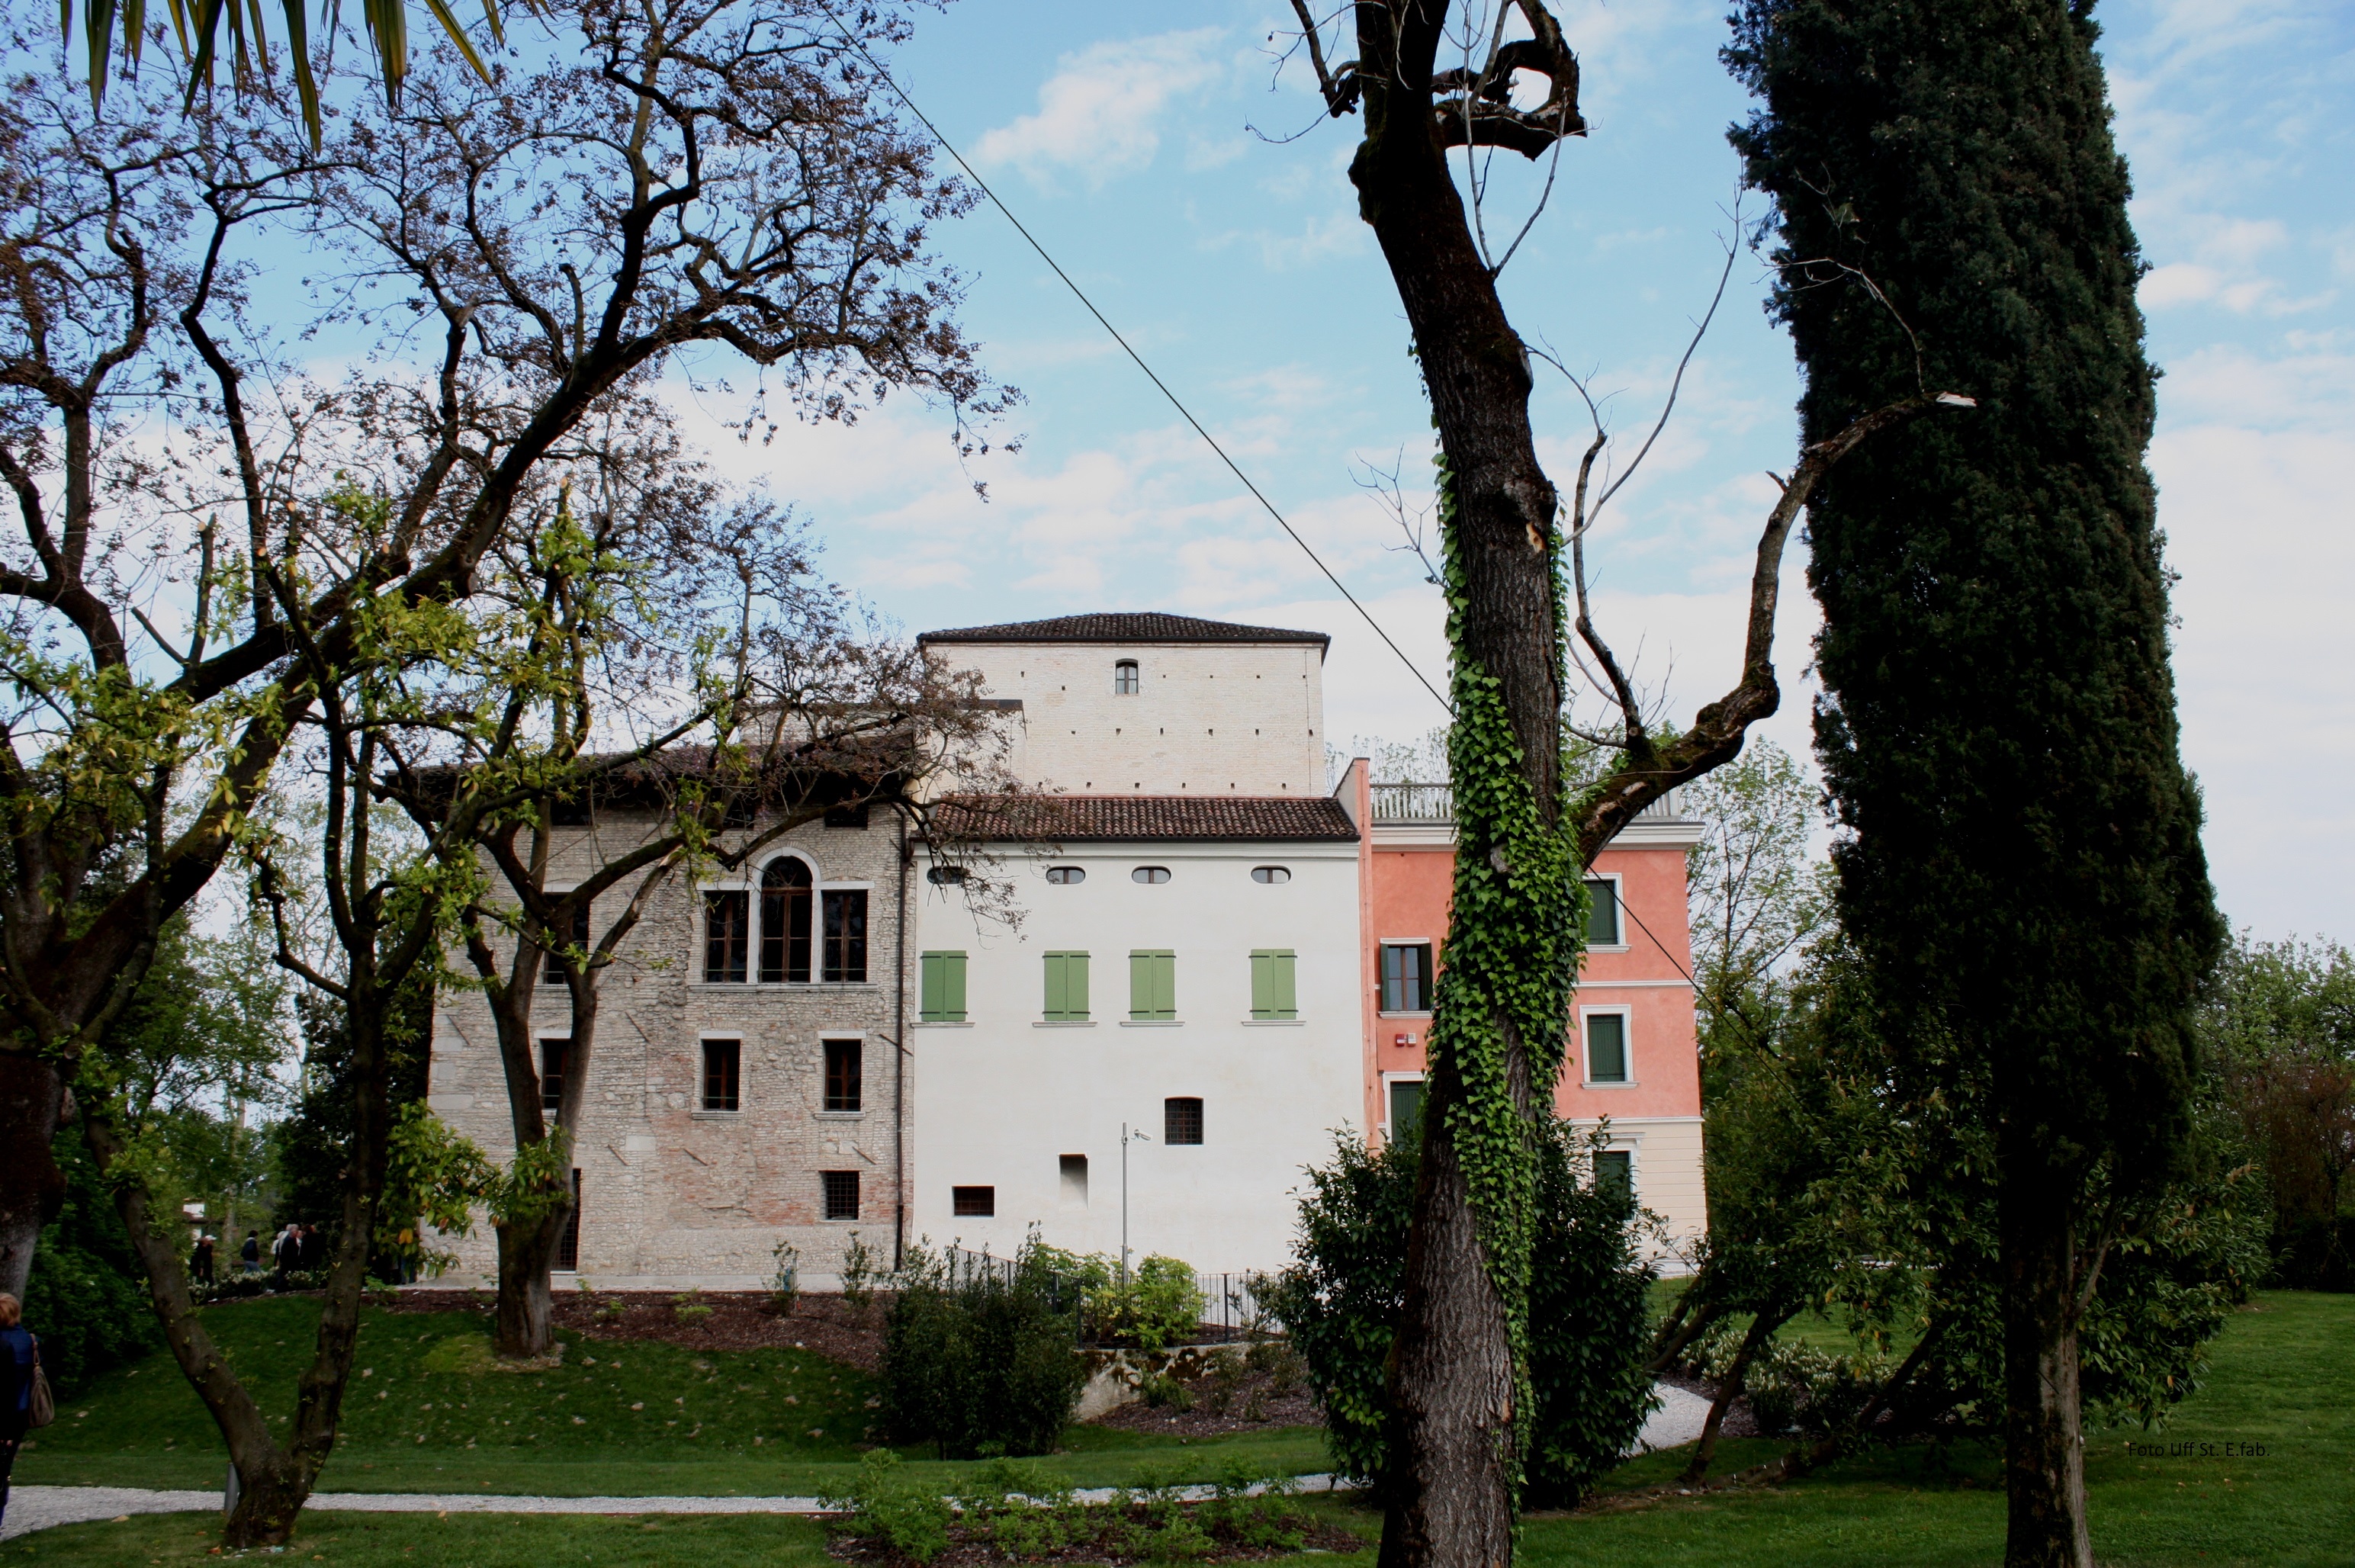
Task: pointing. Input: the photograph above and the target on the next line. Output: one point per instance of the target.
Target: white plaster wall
(1668, 1173)
(1000, 1099)
(1209, 719)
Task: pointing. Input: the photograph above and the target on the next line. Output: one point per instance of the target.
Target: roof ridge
(1124, 626)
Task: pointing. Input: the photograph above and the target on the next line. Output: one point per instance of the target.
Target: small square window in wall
(1603, 912)
(1181, 1121)
(841, 1193)
(721, 1061)
(843, 1077)
(1606, 1047)
(973, 1202)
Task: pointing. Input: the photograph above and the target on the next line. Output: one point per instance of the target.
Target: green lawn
(429, 1412)
(2284, 1379)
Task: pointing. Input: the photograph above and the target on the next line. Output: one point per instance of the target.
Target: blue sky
(1236, 263)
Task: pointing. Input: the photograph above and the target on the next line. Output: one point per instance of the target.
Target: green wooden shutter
(1272, 995)
(953, 985)
(1067, 986)
(944, 988)
(1606, 1047)
(1601, 912)
(1152, 987)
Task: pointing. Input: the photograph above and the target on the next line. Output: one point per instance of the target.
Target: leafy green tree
(1341, 1301)
(86, 1297)
(2022, 871)
(2279, 1028)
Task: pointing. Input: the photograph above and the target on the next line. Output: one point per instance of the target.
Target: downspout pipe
(899, 1064)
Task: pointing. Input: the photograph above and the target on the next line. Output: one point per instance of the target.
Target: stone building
(745, 1086)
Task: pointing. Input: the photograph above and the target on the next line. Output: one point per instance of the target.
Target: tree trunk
(31, 1185)
(1448, 1495)
(2044, 1445)
(1728, 1389)
(525, 1324)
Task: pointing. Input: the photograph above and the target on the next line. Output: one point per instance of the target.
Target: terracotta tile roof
(1146, 819)
(1123, 627)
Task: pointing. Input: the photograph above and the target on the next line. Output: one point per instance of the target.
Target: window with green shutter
(1272, 991)
(1606, 1047)
(1067, 988)
(944, 988)
(1152, 987)
(1603, 912)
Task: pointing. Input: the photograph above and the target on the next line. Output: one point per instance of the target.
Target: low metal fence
(1230, 1310)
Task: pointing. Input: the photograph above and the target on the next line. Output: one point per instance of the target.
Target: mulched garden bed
(1294, 1408)
(739, 1320)
(1121, 1537)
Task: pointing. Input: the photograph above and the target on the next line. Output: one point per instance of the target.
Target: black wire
(1081, 294)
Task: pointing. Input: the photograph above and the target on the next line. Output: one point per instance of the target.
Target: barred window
(841, 1193)
(973, 1202)
(1181, 1121)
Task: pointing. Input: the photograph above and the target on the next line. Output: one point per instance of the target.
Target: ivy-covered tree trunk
(2023, 875)
(1460, 1384)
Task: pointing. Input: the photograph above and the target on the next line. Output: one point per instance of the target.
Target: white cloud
(1097, 113)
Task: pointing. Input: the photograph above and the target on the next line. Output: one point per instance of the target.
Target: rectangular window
(943, 994)
(1406, 1109)
(552, 1055)
(1073, 1170)
(973, 1202)
(1067, 988)
(1406, 977)
(845, 957)
(1181, 1121)
(842, 1076)
(1614, 1172)
(841, 1193)
(726, 937)
(1606, 1047)
(1603, 911)
(567, 1251)
(1153, 987)
(551, 963)
(721, 1059)
(1272, 996)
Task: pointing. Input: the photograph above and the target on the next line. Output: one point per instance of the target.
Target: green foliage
(433, 1177)
(982, 1360)
(313, 1144)
(860, 1270)
(1515, 931)
(908, 1515)
(1163, 1391)
(86, 1296)
(1341, 1298)
(1161, 1307)
(2279, 1027)
(2024, 868)
(785, 1282)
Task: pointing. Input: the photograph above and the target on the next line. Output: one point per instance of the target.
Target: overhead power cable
(1159, 385)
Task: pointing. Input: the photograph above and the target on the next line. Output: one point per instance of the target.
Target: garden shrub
(1341, 1298)
(910, 1517)
(982, 1361)
(87, 1297)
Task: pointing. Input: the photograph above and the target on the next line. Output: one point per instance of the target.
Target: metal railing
(1230, 1311)
(1405, 803)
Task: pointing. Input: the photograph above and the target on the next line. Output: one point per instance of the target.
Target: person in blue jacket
(17, 1349)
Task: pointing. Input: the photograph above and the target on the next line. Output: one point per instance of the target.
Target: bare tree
(1429, 78)
(700, 173)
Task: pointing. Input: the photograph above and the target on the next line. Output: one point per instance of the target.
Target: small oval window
(946, 876)
(1124, 677)
(1154, 874)
(1064, 876)
(1270, 873)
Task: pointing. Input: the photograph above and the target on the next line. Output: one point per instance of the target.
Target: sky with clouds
(1190, 185)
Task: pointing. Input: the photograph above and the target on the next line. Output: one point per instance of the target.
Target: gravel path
(1679, 1420)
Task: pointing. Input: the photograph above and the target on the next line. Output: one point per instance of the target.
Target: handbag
(44, 1406)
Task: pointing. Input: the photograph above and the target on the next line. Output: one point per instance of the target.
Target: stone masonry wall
(672, 1195)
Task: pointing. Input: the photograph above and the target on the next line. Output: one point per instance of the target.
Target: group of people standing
(297, 1249)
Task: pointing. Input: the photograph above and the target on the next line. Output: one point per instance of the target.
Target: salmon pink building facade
(1632, 1062)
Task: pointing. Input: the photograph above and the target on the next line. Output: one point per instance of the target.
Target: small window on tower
(1125, 679)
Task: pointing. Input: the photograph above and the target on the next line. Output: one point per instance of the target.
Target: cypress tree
(2021, 864)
